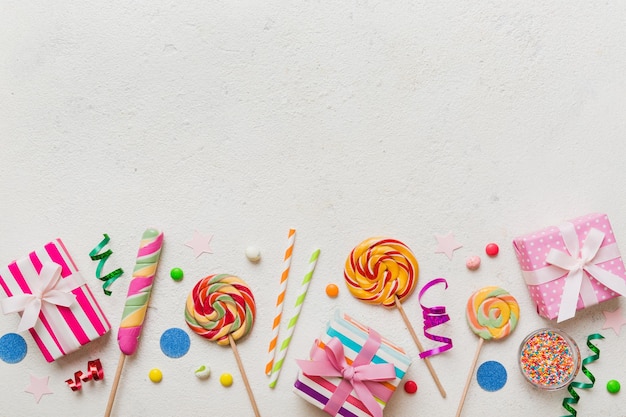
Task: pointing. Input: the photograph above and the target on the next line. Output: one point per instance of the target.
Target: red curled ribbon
(434, 316)
(94, 371)
(331, 362)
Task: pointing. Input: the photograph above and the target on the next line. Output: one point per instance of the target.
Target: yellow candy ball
(226, 379)
(155, 375)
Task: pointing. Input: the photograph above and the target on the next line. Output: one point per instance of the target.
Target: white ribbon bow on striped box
(47, 287)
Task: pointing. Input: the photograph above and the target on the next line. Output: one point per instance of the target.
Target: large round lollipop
(381, 271)
(221, 308)
(492, 313)
(384, 271)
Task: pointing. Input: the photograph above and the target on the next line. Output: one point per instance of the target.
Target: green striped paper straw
(280, 356)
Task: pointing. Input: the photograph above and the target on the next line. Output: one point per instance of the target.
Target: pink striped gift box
(57, 329)
(353, 337)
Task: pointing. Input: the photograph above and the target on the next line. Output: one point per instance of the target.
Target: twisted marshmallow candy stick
(137, 300)
(384, 271)
(221, 308)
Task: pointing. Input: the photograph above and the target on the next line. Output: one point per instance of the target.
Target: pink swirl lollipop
(221, 308)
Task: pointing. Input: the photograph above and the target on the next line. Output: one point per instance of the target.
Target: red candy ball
(492, 249)
(410, 387)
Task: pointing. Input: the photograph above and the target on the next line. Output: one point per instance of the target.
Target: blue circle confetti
(12, 348)
(491, 376)
(175, 342)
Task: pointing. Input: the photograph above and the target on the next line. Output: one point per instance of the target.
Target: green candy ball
(176, 274)
(613, 386)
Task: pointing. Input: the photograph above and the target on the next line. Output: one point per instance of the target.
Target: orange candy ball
(332, 290)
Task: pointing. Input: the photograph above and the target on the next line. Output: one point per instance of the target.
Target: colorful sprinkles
(548, 359)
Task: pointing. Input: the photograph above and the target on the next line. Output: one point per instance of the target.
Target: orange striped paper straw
(280, 302)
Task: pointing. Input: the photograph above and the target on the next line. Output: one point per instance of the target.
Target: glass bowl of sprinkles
(549, 359)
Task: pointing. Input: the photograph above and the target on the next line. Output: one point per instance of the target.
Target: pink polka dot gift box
(571, 266)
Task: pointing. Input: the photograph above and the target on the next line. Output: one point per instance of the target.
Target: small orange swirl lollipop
(381, 271)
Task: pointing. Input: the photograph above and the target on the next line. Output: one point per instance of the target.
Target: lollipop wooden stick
(420, 348)
(469, 378)
(492, 313)
(116, 381)
(136, 304)
(233, 345)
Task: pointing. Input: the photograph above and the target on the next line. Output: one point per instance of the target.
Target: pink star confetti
(447, 244)
(199, 243)
(38, 387)
(614, 320)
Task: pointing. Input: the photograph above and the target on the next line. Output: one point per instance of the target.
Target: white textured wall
(341, 119)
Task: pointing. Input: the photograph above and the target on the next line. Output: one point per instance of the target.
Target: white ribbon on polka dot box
(571, 266)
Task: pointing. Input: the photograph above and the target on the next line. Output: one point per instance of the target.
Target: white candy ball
(202, 372)
(253, 253)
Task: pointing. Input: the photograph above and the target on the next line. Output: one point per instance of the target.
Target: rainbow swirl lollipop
(381, 271)
(492, 313)
(220, 306)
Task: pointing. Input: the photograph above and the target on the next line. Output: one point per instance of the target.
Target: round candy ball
(176, 274)
(332, 290)
(155, 375)
(492, 249)
(203, 372)
(253, 254)
(613, 386)
(410, 387)
(472, 263)
(226, 379)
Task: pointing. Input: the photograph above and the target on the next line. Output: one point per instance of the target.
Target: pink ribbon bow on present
(581, 263)
(47, 287)
(331, 362)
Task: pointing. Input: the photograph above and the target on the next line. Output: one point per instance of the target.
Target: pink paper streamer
(434, 316)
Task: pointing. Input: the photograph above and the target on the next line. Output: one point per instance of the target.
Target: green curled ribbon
(569, 401)
(102, 257)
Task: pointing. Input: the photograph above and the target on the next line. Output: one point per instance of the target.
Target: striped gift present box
(56, 305)
(323, 390)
